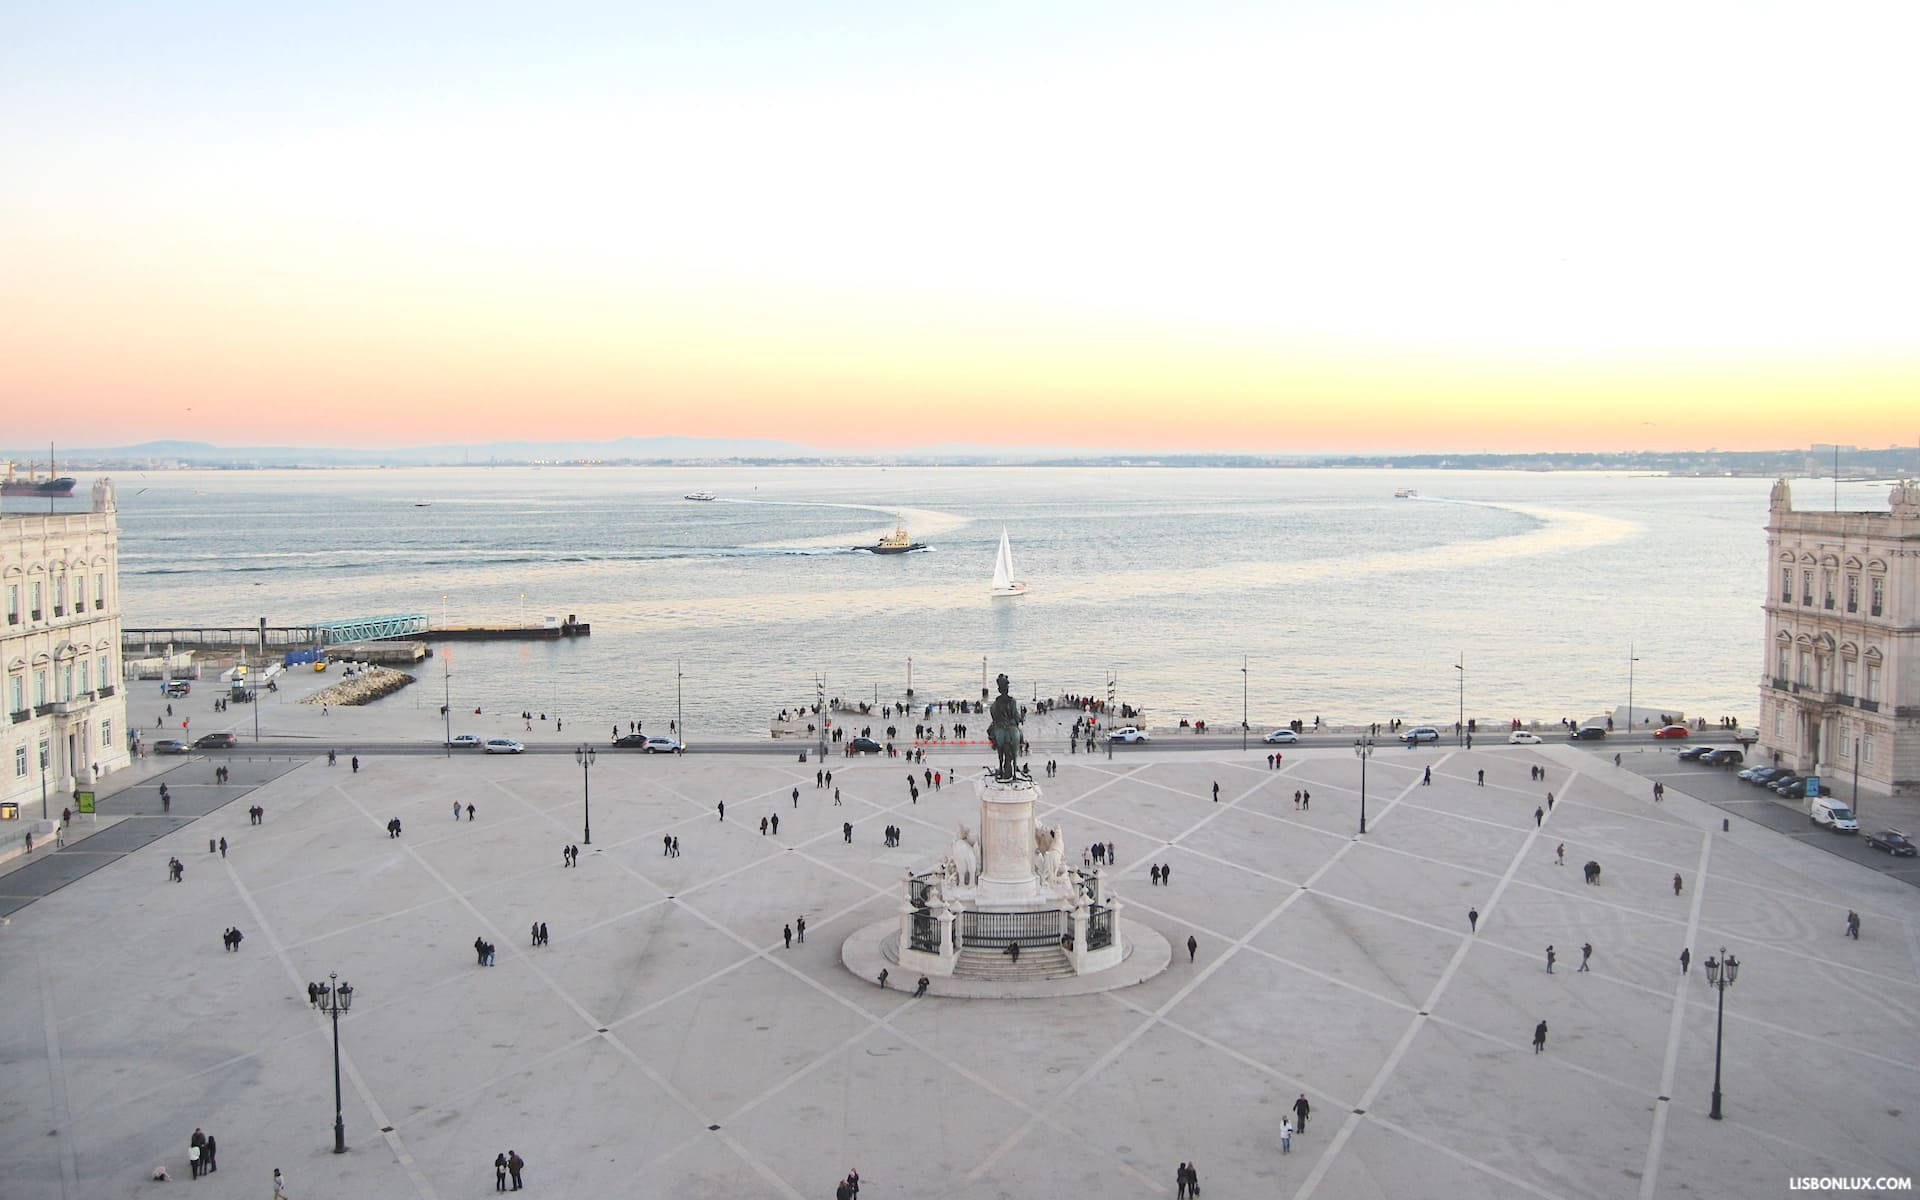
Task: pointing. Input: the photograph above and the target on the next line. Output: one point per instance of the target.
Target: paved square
(666, 1043)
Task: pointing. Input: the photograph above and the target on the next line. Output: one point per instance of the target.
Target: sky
(1268, 227)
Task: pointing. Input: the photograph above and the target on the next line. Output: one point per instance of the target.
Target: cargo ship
(52, 485)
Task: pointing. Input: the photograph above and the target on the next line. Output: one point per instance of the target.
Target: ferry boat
(1406, 494)
(897, 542)
(700, 496)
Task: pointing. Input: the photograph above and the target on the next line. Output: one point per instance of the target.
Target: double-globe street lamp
(1363, 750)
(1721, 972)
(333, 998)
(584, 756)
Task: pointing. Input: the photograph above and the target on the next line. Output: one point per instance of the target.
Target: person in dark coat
(500, 1172)
(1193, 947)
(1300, 1111)
(515, 1164)
(1540, 1037)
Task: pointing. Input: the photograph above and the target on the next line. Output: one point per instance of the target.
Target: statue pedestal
(1007, 879)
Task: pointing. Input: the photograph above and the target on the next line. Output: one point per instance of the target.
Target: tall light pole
(446, 694)
(909, 674)
(584, 756)
(1460, 726)
(1363, 750)
(335, 998)
(1243, 702)
(1721, 973)
(679, 718)
(1631, 659)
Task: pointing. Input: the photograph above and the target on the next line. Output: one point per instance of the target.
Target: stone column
(948, 951)
(1006, 840)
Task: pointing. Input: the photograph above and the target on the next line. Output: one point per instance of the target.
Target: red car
(1673, 731)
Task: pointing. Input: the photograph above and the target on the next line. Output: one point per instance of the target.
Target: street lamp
(1460, 726)
(679, 718)
(584, 756)
(1363, 750)
(1630, 661)
(1721, 972)
(334, 998)
(1243, 702)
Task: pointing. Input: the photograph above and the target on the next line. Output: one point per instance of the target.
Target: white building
(65, 720)
(1840, 687)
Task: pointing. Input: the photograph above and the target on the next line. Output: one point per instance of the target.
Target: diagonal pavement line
(1505, 1177)
(395, 1142)
(1392, 1063)
(1126, 1043)
(1663, 1103)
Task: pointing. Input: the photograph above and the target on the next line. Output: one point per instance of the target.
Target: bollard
(1726, 826)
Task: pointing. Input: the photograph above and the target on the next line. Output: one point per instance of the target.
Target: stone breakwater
(364, 688)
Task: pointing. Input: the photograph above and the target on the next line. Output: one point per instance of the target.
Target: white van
(1834, 814)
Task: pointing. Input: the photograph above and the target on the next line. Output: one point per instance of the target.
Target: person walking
(356, 764)
(1193, 947)
(196, 1147)
(469, 812)
(1216, 791)
(1300, 1110)
(1560, 855)
(836, 797)
(1676, 883)
(776, 824)
(1853, 925)
(279, 1185)
(1473, 920)
(1482, 777)
(1540, 1037)
(722, 806)
(796, 797)
(763, 827)
(1539, 815)
(800, 929)
(1286, 1136)
(500, 1160)
(1586, 952)
(456, 810)
(1686, 959)
(1426, 780)
(1550, 958)
(786, 934)
(209, 1157)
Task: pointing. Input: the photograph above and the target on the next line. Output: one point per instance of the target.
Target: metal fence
(992, 930)
(925, 934)
(1099, 927)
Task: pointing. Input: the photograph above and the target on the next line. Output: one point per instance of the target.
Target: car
(1784, 780)
(1281, 737)
(1588, 733)
(1420, 733)
(1893, 842)
(170, 746)
(1672, 731)
(864, 745)
(662, 745)
(1693, 753)
(1127, 735)
(464, 740)
(1760, 775)
(173, 689)
(214, 741)
(1723, 756)
(1521, 737)
(630, 741)
(503, 746)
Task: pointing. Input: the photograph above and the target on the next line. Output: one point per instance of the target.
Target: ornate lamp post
(1363, 750)
(1460, 727)
(679, 718)
(1721, 972)
(584, 756)
(335, 998)
(1630, 661)
(1243, 702)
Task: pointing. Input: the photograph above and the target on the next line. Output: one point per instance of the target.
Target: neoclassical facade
(1840, 687)
(65, 719)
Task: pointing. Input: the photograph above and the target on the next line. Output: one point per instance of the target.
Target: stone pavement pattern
(665, 1044)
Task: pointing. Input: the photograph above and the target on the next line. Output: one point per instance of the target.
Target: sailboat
(1004, 584)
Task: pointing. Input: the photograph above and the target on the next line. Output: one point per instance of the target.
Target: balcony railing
(1869, 705)
(21, 714)
(35, 615)
(59, 610)
(41, 710)
(1842, 698)
(106, 691)
(1780, 683)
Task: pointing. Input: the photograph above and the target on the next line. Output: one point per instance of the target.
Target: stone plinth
(1007, 843)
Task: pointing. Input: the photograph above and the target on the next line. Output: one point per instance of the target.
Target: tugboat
(897, 542)
(700, 496)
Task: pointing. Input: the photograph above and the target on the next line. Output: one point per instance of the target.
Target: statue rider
(1005, 731)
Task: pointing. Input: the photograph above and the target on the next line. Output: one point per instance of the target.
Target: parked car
(1723, 757)
(503, 746)
(214, 741)
(1795, 790)
(1785, 779)
(1893, 842)
(1521, 737)
(865, 745)
(1757, 774)
(1281, 737)
(464, 740)
(1693, 753)
(630, 741)
(1672, 731)
(662, 745)
(170, 746)
(1128, 735)
(1420, 733)
(173, 689)
(1588, 733)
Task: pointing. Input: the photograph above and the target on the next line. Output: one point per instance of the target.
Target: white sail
(1004, 584)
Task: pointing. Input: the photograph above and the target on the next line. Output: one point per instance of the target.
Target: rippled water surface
(1346, 602)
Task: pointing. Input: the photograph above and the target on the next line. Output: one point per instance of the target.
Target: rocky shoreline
(364, 688)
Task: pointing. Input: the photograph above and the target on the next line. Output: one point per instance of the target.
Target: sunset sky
(1205, 226)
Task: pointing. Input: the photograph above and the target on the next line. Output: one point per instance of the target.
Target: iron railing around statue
(1099, 927)
(925, 932)
(917, 887)
(998, 930)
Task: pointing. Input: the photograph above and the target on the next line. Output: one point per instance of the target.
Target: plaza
(668, 1043)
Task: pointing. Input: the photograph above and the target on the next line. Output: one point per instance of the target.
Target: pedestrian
(195, 1146)
(763, 827)
(469, 812)
(1676, 883)
(1543, 775)
(1180, 1180)
(1286, 1136)
(800, 929)
(920, 989)
(516, 1164)
(279, 1185)
(836, 797)
(456, 810)
(1540, 1037)
(1193, 947)
(1483, 778)
(1686, 959)
(356, 764)
(1853, 925)
(1306, 800)
(883, 977)
(544, 939)
(676, 845)
(1216, 791)
(313, 995)
(1300, 1110)
(666, 845)
(1560, 855)
(796, 797)
(500, 1160)
(1586, 952)
(1473, 920)
(1426, 780)
(786, 934)
(776, 824)
(535, 941)
(1539, 815)
(1550, 957)
(209, 1158)
(819, 779)
(722, 806)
